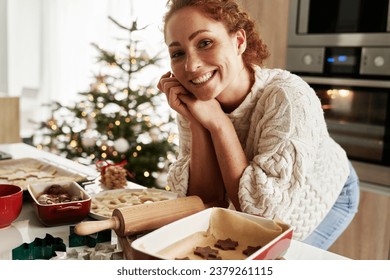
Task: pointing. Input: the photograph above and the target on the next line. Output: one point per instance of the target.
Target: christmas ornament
(89, 138)
(161, 180)
(121, 145)
(155, 134)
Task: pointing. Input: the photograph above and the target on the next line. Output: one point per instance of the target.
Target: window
(49, 43)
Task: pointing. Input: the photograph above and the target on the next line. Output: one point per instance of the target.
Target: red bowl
(60, 213)
(11, 201)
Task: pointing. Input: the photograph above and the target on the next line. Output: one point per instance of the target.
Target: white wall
(3, 47)
(24, 45)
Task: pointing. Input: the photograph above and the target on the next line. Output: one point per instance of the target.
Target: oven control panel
(309, 60)
(344, 61)
(375, 61)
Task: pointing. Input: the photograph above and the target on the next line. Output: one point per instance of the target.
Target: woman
(253, 136)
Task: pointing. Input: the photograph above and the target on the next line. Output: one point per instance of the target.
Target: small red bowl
(11, 202)
(60, 213)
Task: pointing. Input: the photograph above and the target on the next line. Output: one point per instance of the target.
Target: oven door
(357, 115)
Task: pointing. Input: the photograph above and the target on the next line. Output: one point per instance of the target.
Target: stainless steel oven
(339, 22)
(357, 114)
(342, 49)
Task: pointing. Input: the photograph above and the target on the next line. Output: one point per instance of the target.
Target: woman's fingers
(166, 82)
(162, 79)
(173, 90)
(173, 94)
(186, 98)
(167, 86)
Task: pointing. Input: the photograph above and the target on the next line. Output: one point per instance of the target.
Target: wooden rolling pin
(143, 217)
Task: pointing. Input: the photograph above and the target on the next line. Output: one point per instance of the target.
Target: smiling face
(205, 58)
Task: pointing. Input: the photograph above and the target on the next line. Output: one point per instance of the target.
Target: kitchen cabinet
(368, 236)
(272, 22)
(9, 120)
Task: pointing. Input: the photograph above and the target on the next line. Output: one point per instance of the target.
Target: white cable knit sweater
(296, 170)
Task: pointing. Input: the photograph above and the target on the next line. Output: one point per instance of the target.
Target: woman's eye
(176, 54)
(205, 43)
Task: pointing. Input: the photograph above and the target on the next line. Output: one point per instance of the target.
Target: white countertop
(27, 227)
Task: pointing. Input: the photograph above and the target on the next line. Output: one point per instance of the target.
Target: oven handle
(357, 141)
(360, 129)
(347, 82)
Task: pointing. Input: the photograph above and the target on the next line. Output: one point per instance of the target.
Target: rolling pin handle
(86, 228)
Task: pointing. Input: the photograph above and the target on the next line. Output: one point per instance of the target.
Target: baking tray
(114, 198)
(151, 245)
(25, 171)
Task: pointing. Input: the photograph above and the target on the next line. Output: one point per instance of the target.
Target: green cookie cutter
(88, 240)
(39, 249)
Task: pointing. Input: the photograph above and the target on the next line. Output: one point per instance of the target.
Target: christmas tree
(117, 120)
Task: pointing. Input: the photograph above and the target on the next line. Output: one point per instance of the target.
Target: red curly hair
(234, 19)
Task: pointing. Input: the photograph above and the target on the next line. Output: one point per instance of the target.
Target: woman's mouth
(204, 78)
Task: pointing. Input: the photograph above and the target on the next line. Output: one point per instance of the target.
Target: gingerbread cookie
(250, 250)
(226, 244)
(206, 252)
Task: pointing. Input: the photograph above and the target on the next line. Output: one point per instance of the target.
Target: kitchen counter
(27, 226)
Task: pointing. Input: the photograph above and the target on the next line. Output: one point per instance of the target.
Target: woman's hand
(207, 113)
(173, 89)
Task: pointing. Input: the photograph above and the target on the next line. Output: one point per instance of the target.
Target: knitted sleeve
(178, 174)
(284, 136)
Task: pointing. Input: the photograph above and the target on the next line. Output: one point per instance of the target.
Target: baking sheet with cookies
(25, 171)
(199, 236)
(104, 203)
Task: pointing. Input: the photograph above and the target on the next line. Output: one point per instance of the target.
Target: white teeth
(203, 79)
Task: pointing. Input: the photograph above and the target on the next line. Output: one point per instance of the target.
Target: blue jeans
(339, 217)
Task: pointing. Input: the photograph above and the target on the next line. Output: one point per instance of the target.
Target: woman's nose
(193, 62)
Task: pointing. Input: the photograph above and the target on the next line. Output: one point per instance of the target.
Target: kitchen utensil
(4, 155)
(143, 217)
